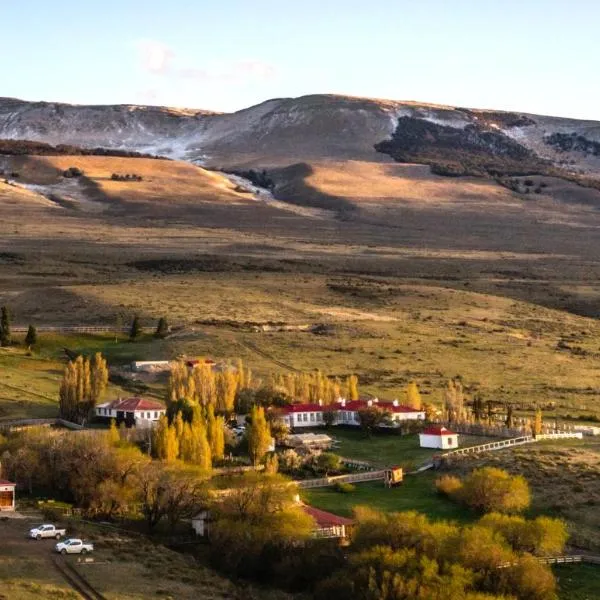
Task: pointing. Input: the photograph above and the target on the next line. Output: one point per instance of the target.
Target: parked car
(74, 546)
(46, 531)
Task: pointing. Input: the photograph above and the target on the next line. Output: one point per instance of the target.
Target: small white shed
(437, 436)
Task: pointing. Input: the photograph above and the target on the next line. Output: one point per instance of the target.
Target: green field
(578, 582)
(387, 449)
(29, 382)
(417, 492)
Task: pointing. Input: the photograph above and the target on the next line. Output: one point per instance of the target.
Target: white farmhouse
(437, 436)
(134, 412)
(346, 412)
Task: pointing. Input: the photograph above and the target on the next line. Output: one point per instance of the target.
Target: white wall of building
(443, 442)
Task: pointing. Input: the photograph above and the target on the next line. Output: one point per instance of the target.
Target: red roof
(5, 482)
(383, 404)
(437, 430)
(133, 404)
(325, 519)
(294, 408)
(352, 405)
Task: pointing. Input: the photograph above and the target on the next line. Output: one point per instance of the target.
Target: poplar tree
(31, 337)
(413, 396)
(135, 330)
(537, 422)
(215, 429)
(82, 385)
(259, 435)
(162, 329)
(352, 384)
(5, 327)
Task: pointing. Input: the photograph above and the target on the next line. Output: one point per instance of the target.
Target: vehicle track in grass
(76, 580)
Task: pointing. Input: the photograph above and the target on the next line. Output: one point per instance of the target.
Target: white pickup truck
(46, 531)
(74, 546)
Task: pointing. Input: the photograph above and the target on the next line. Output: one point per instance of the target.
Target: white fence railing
(560, 435)
(353, 478)
(499, 445)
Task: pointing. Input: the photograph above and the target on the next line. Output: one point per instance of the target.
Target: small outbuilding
(437, 436)
(7, 495)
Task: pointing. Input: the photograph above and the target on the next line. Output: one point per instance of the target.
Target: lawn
(386, 449)
(29, 382)
(417, 492)
(578, 582)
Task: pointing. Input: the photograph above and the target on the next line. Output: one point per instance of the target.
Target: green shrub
(344, 488)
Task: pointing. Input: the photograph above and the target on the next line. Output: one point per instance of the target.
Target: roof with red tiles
(295, 408)
(352, 405)
(437, 430)
(5, 482)
(134, 404)
(325, 519)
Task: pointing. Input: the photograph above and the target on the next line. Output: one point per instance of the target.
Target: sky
(538, 56)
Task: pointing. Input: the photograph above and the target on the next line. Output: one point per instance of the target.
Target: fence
(559, 436)
(76, 329)
(518, 441)
(16, 424)
(354, 478)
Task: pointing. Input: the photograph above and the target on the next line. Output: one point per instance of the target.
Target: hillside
(281, 131)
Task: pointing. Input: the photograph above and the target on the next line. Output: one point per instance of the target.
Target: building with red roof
(437, 436)
(7, 495)
(328, 525)
(346, 412)
(134, 412)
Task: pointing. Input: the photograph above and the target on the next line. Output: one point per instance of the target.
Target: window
(312, 416)
(319, 416)
(156, 414)
(305, 417)
(449, 441)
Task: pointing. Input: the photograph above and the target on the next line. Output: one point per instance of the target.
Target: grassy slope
(388, 333)
(565, 480)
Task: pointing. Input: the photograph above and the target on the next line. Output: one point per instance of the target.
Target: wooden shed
(7, 495)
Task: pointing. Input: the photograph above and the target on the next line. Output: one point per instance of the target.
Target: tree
(5, 337)
(257, 523)
(135, 330)
(371, 417)
(327, 463)
(162, 329)
(538, 422)
(82, 386)
(328, 417)
(413, 396)
(258, 434)
(215, 429)
(31, 337)
(352, 385)
(489, 489)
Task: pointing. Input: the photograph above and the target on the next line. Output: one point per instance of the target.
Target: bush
(448, 485)
(489, 489)
(72, 172)
(344, 488)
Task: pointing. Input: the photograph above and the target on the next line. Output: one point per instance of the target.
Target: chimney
(395, 402)
(320, 402)
(369, 402)
(375, 399)
(343, 401)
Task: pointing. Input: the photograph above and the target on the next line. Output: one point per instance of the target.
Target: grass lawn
(29, 384)
(386, 449)
(578, 582)
(417, 492)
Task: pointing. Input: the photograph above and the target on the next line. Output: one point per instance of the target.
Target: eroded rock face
(280, 132)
